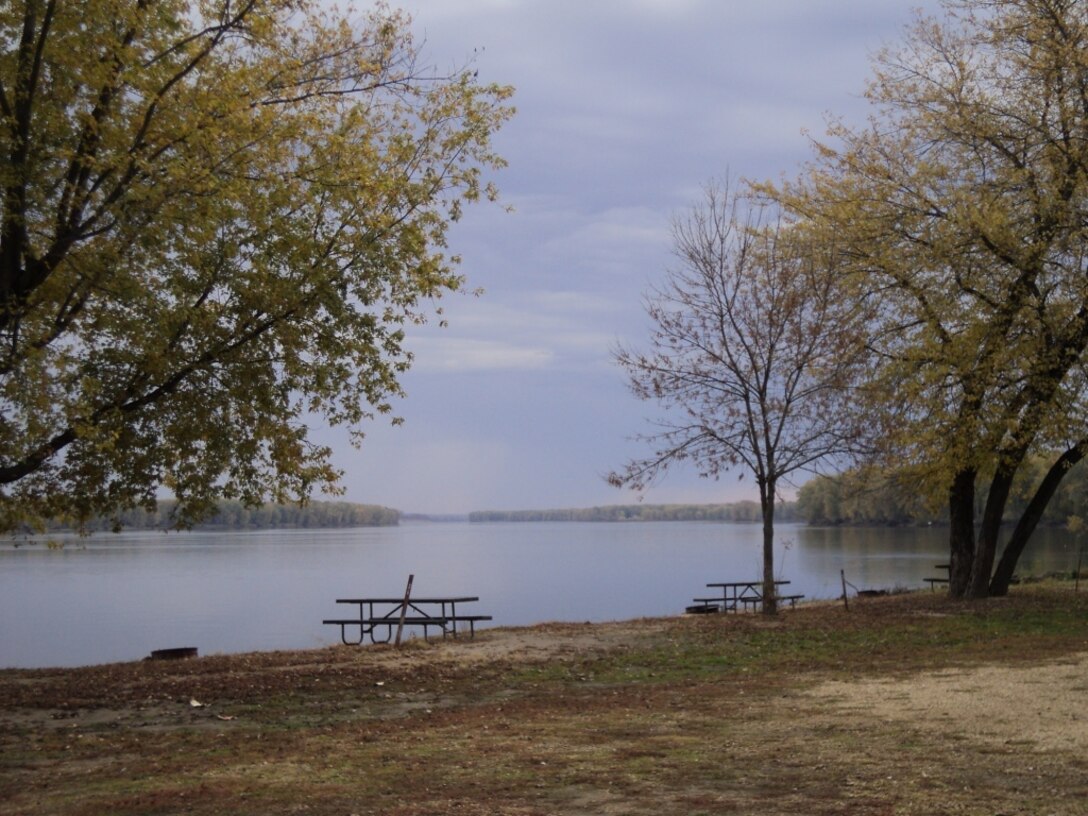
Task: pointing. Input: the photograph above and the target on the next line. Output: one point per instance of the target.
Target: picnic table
(378, 615)
(744, 593)
(934, 581)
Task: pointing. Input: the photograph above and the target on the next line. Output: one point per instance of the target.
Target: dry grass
(910, 704)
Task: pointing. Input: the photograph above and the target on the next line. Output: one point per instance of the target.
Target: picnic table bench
(426, 613)
(736, 594)
(703, 606)
(755, 602)
(934, 581)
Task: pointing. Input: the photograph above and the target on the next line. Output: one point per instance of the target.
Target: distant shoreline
(743, 511)
(234, 515)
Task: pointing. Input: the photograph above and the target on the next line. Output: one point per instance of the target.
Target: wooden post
(404, 609)
(845, 601)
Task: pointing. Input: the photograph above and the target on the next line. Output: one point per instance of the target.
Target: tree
(864, 495)
(754, 350)
(963, 205)
(217, 219)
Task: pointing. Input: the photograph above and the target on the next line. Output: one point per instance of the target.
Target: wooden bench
(753, 601)
(367, 626)
(471, 620)
(717, 602)
(702, 608)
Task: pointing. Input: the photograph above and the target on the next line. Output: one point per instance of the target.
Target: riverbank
(905, 704)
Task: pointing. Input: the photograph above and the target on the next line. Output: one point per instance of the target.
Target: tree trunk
(986, 547)
(766, 500)
(961, 537)
(999, 584)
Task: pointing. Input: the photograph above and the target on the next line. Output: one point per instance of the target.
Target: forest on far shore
(735, 511)
(233, 515)
(857, 497)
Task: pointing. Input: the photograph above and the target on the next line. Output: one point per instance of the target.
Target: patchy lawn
(904, 705)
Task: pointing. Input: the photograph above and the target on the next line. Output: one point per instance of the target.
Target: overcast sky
(625, 109)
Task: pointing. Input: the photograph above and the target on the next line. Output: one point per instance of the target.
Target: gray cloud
(625, 109)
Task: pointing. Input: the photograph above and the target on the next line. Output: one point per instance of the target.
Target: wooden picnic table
(746, 593)
(383, 614)
(934, 581)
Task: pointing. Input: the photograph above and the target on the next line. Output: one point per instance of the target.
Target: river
(117, 597)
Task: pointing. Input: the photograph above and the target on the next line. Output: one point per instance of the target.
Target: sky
(626, 109)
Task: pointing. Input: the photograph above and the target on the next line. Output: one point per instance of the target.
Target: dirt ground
(903, 705)
(165, 694)
(1044, 706)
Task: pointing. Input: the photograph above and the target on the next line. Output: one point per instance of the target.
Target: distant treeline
(737, 511)
(866, 497)
(236, 516)
(862, 497)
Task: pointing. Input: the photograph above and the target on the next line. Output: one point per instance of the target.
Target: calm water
(117, 597)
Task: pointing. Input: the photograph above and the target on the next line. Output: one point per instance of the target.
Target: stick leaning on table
(404, 609)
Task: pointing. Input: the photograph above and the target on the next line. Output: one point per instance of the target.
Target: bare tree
(754, 352)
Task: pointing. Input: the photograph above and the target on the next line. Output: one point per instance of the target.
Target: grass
(711, 714)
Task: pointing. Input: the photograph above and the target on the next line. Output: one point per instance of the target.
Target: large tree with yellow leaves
(963, 208)
(216, 219)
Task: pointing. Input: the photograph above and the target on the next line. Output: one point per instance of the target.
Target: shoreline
(906, 704)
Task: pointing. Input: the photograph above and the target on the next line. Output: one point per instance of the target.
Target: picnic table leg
(344, 634)
(370, 630)
(726, 602)
(453, 608)
(362, 631)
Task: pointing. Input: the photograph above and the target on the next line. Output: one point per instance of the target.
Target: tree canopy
(217, 219)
